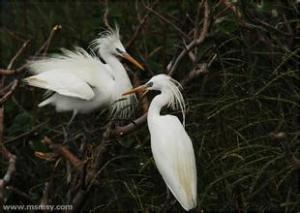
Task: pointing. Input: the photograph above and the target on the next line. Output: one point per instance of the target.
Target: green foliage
(251, 90)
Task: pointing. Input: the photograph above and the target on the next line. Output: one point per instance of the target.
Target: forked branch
(196, 41)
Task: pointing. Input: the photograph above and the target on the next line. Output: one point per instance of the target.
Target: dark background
(243, 111)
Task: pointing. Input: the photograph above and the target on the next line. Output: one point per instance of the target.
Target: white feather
(63, 83)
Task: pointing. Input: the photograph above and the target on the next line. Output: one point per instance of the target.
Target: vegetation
(241, 84)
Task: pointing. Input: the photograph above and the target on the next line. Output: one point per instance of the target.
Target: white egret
(171, 146)
(80, 82)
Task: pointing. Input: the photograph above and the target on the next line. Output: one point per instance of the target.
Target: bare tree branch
(125, 130)
(20, 51)
(5, 153)
(62, 151)
(196, 42)
(44, 48)
(7, 177)
(198, 69)
(140, 26)
(196, 31)
(6, 92)
(10, 91)
(48, 41)
(8, 70)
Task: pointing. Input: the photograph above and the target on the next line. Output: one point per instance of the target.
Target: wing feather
(77, 62)
(63, 83)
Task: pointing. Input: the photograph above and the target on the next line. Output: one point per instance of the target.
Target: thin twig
(19, 52)
(7, 177)
(9, 70)
(19, 192)
(198, 70)
(141, 25)
(81, 194)
(10, 91)
(194, 43)
(6, 154)
(45, 46)
(52, 33)
(6, 88)
(196, 31)
(25, 134)
(168, 22)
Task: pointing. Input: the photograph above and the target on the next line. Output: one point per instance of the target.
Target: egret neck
(122, 81)
(158, 102)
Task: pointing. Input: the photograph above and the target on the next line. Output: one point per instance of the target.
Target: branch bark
(62, 151)
(196, 42)
(125, 130)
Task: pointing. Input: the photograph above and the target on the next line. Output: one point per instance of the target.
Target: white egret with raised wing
(80, 82)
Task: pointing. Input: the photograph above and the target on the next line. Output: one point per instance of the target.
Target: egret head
(168, 86)
(109, 43)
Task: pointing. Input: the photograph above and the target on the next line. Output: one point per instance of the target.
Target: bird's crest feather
(106, 37)
(176, 101)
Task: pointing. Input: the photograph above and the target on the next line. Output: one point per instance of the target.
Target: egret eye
(150, 84)
(119, 51)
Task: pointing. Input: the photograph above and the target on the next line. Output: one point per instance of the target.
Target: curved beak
(143, 89)
(132, 60)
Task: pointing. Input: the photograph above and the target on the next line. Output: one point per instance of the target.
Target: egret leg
(69, 140)
(72, 118)
(85, 132)
(67, 133)
(67, 129)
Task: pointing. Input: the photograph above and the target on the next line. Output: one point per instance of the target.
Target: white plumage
(171, 146)
(81, 82)
(57, 81)
(174, 157)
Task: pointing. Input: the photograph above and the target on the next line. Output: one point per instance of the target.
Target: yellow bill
(132, 60)
(142, 88)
